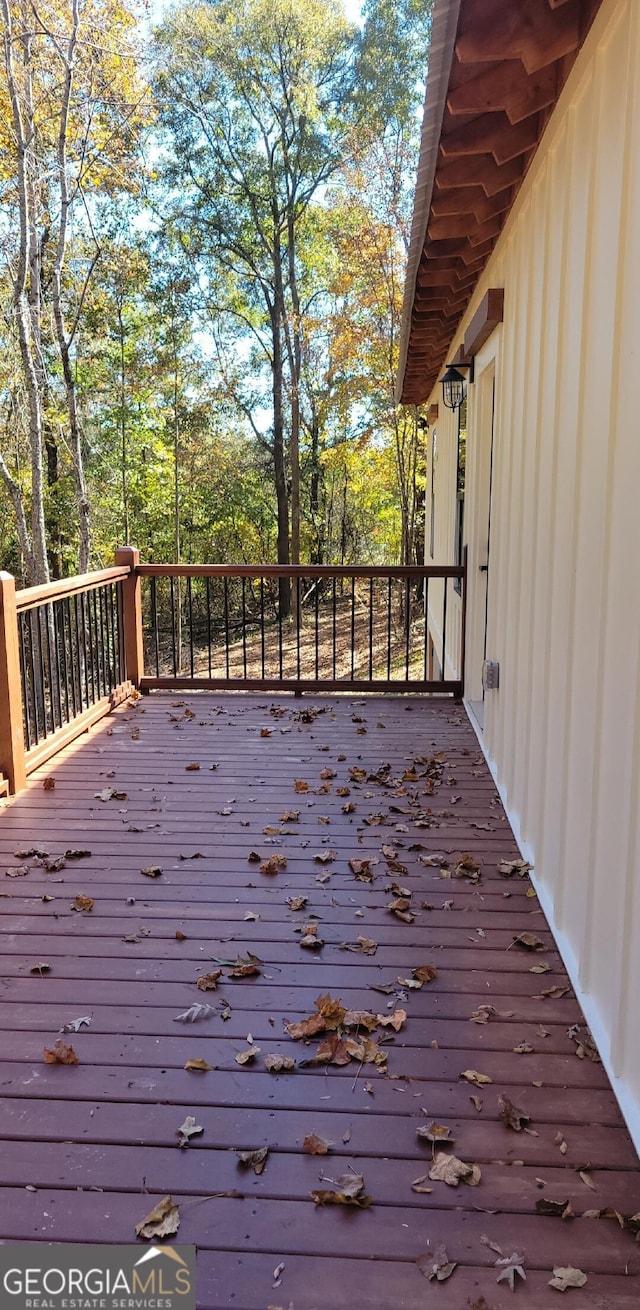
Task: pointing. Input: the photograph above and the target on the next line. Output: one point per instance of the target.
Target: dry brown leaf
(350, 1191)
(81, 903)
(152, 871)
(331, 1009)
(279, 1063)
(40, 968)
(290, 816)
(540, 968)
(564, 1276)
(274, 864)
(193, 767)
(255, 1160)
(325, 857)
(478, 1079)
(162, 1221)
(418, 1186)
(306, 1028)
(296, 902)
(434, 1132)
(436, 1264)
(424, 973)
(48, 784)
(314, 1145)
(187, 1130)
(448, 1169)
(20, 871)
(61, 1054)
(508, 867)
(467, 867)
(245, 1057)
(560, 1141)
(265, 732)
(559, 1209)
(310, 940)
(198, 1066)
(300, 785)
(246, 967)
(511, 1115)
(485, 1012)
(364, 944)
(254, 857)
(523, 1048)
(362, 870)
(529, 942)
(207, 982)
(395, 1020)
(511, 1266)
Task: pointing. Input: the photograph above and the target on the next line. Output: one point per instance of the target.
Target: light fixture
(453, 384)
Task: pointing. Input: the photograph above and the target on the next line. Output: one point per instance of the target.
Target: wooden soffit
(497, 80)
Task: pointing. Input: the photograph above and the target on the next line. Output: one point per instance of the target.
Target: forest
(204, 221)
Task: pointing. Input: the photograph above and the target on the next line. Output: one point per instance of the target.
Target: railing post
(11, 731)
(128, 557)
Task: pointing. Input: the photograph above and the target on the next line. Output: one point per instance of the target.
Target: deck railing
(71, 650)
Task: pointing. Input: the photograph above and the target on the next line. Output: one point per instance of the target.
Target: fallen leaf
(310, 940)
(255, 1160)
(74, 1025)
(265, 732)
(395, 1020)
(245, 1057)
(325, 857)
(300, 785)
(314, 1145)
(274, 864)
(529, 942)
(560, 1209)
(486, 1012)
(523, 1048)
(81, 903)
(198, 1066)
(290, 816)
(152, 871)
(560, 1141)
(552, 994)
(418, 1186)
(54, 866)
(564, 1276)
(109, 794)
(77, 855)
(448, 1169)
(246, 967)
(40, 968)
(195, 1012)
(180, 936)
(511, 1266)
(306, 1028)
(296, 902)
(436, 1264)
(508, 867)
(425, 973)
(540, 968)
(511, 1115)
(362, 870)
(468, 868)
(364, 944)
(187, 1130)
(434, 1132)
(162, 1221)
(208, 982)
(48, 784)
(479, 1079)
(279, 1063)
(193, 767)
(350, 1192)
(20, 871)
(60, 1054)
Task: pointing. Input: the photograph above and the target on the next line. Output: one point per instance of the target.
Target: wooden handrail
(300, 571)
(50, 591)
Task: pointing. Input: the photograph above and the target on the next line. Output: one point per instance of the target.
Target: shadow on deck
(88, 1150)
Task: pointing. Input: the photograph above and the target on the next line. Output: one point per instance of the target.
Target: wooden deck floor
(86, 1151)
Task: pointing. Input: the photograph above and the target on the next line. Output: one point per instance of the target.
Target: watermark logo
(76, 1276)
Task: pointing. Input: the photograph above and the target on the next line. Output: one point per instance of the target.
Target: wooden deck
(88, 1150)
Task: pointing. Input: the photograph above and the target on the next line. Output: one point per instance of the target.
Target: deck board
(97, 1141)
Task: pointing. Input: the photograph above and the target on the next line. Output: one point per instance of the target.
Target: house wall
(562, 733)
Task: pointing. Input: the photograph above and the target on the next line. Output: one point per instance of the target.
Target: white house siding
(563, 731)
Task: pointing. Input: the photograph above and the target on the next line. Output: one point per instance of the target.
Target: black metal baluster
(72, 660)
(426, 628)
(226, 625)
(262, 625)
(389, 600)
(208, 595)
(353, 628)
(154, 625)
(41, 672)
(407, 628)
(90, 644)
(122, 659)
(65, 665)
(56, 646)
(370, 629)
(95, 643)
(102, 661)
(333, 624)
(444, 628)
(298, 625)
(174, 634)
(190, 609)
(26, 694)
(47, 613)
(81, 646)
(316, 608)
(32, 670)
(111, 637)
(244, 627)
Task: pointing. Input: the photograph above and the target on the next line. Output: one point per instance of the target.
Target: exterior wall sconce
(453, 384)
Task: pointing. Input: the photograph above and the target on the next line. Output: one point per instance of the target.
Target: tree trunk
(279, 461)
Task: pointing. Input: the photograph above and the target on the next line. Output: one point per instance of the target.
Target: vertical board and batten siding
(563, 731)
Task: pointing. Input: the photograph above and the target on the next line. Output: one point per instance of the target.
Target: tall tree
(255, 95)
(73, 106)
